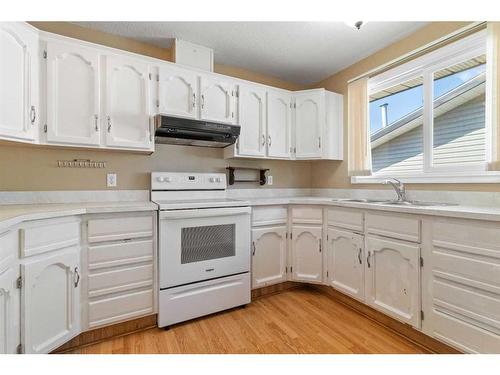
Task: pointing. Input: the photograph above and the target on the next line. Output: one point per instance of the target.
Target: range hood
(181, 131)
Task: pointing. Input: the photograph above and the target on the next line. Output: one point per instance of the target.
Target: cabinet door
(309, 121)
(268, 256)
(217, 100)
(18, 81)
(307, 253)
(392, 278)
(178, 92)
(51, 300)
(252, 116)
(72, 94)
(127, 118)
(345, 262)
(279, 124)
(9, 312)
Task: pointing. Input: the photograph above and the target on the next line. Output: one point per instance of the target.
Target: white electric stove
(204, 246)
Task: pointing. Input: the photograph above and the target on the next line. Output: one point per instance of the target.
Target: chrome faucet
(398, 186)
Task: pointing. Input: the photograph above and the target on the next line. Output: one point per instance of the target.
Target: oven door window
(207, 242)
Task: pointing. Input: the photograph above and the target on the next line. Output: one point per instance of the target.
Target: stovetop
(184, 204)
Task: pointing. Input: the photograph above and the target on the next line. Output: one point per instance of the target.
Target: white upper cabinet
(178, 92)
(126, 110)
(252, 119)
(279, 123)
(18, 81)
(268, 256)
(345, 262)
(72, 94)
(218, 99)
(51, 300)
(392, 278)
(307, 257)
(309, 123)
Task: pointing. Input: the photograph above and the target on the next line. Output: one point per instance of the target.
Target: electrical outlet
(269, 180)
(111, 179)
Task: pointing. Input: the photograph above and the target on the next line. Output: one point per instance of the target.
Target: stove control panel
(188, 181)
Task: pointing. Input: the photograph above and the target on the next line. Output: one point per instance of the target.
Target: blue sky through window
(405, 102)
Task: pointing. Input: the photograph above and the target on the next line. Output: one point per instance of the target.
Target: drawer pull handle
(33, 115)
(253, 245)
(359, 256)
(77, 274)
(368, 259)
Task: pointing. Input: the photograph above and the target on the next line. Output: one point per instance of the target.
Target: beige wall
(334, 173)
(31, 168)
(28, 167)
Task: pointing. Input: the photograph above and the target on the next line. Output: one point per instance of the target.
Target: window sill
(442, 178)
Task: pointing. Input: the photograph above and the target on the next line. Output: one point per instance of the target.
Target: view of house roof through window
(396, 120)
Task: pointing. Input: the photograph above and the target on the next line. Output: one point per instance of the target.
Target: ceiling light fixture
(356, 24)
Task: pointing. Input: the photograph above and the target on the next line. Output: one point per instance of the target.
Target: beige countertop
(15, 214)
(467, 212)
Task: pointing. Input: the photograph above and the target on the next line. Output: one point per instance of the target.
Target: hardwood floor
(300, 320)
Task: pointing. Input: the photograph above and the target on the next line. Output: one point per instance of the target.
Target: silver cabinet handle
(359, 256)
(368, 259)
(319, 142)
(109, 124)
(194, 100)
(96, 122)
(253, 245)
(33, 115)
(263, 139)
(77, 274)
(269, 140)
(202, 101)
(320, 246)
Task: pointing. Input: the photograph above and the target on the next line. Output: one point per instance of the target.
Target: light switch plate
(111, 179)
(269, 180)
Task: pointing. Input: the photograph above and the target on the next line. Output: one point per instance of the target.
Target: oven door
(203, 244)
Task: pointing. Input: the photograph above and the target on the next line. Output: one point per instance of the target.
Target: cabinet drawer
(346, 218)
(9, 248)
(117, 254)
(393, 225)
(307, 215)
(269, 215)
(119, 228)
(120, 280)
(46, 235)
(118, 308)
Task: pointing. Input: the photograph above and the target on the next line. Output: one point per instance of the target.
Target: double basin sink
(395, 202)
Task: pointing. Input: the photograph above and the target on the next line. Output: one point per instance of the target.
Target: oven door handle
(208, 212)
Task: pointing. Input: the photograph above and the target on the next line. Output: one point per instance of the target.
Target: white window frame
(425, 66)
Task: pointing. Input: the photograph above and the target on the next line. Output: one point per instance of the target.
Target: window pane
(459, 114)
(396, 128)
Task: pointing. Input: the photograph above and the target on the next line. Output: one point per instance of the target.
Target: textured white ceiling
(300, 52)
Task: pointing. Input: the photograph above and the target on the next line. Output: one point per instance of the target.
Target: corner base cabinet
(51, 300)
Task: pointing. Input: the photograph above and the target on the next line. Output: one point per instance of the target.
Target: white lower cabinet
(392, 278)
(307, 257)
(269, 256)
(9, 311)
(121, 269)
(461, 283)
(50, 300)
(346, 262)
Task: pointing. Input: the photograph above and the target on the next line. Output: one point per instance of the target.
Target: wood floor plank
(300, 320)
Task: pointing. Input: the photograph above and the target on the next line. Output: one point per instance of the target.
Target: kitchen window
(428, 118)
